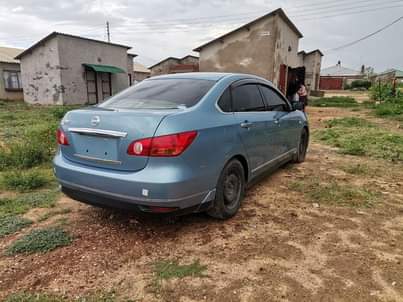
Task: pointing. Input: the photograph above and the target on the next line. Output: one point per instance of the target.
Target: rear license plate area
(96, 147)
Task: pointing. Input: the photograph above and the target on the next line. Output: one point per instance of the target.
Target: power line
(302, 17)
(237, 17)
(367, 36)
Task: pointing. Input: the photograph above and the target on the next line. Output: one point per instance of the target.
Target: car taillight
(162, 146)
(61, 138)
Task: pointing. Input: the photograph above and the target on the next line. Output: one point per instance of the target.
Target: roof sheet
(339, 70)
(137, 67)
(7, 54)
(398, 73)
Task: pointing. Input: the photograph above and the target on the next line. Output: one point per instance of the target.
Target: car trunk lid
(100, 137)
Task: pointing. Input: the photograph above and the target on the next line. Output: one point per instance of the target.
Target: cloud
(157, 28)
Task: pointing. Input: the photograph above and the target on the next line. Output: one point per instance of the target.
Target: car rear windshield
(160, 94)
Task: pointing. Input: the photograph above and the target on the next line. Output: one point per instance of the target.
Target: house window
(12, 80)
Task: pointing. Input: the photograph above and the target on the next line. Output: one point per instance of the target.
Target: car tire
(302, 147)
(230, 191)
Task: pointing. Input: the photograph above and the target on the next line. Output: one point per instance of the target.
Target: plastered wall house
(140, 72)
(338, 76)
(267, 47)
(10, 74)
(65, 69)
(169, 65)
(312, 61)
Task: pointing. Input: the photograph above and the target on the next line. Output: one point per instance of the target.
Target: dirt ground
(360, 96)
(281, 246)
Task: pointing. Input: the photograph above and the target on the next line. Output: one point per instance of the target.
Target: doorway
(99, 86)
(92, 86)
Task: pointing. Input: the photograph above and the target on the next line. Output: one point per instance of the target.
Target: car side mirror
(297, 106)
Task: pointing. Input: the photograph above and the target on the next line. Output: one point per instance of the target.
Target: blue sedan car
(179, 143)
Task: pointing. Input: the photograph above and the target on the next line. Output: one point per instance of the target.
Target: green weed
(359, 169)
(24, 181)
(167, 269)
(24, 202)
(355, 136)
(334, 193)
(54, 213)
(41, 240)
(337, 101)
(349, 122)
(12, 224)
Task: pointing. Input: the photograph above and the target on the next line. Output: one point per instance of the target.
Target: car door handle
(277, 122)
(246, 124)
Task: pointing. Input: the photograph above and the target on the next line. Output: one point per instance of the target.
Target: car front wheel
(230, 191)
(302, 147)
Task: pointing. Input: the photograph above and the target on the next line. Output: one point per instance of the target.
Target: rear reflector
(61, 138)
(162, 146)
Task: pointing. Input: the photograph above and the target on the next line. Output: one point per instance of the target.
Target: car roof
(212, 76)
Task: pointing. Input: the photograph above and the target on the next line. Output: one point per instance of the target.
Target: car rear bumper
(119, 189)
(107, 202)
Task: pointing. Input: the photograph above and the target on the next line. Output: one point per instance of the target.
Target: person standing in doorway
(303, 95)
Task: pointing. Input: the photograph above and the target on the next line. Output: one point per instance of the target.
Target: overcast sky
(159, 28)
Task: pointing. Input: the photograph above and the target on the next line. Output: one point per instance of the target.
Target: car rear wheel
(302, 147)
(230, 191)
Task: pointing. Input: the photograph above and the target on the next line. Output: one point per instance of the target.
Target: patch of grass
(167, 269)
(333, 193)
(349, 122)
(388, 109)
(359, 169)
(12, 224)
(40, 241)
(53, 213)
(336, 101)
(23, 181)
(28, 133)
(355, 136)
(20, 155)
(24, 202)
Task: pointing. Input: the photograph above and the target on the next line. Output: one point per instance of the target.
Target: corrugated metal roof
(7, 54)
(137, 67)
(398, 73)
(339, 70)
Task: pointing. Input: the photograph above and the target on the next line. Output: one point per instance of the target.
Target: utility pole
(108, 33)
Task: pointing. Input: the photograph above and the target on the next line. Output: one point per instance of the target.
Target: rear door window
(273, 100)
(247, 98)
(225, 101)
(161, 94)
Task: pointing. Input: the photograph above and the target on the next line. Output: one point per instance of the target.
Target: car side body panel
(190, 179)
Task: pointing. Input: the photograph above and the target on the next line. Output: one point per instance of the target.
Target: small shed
(10, 74)
(65, 69)
(337, 77)
(140, 72)
(188, 63)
